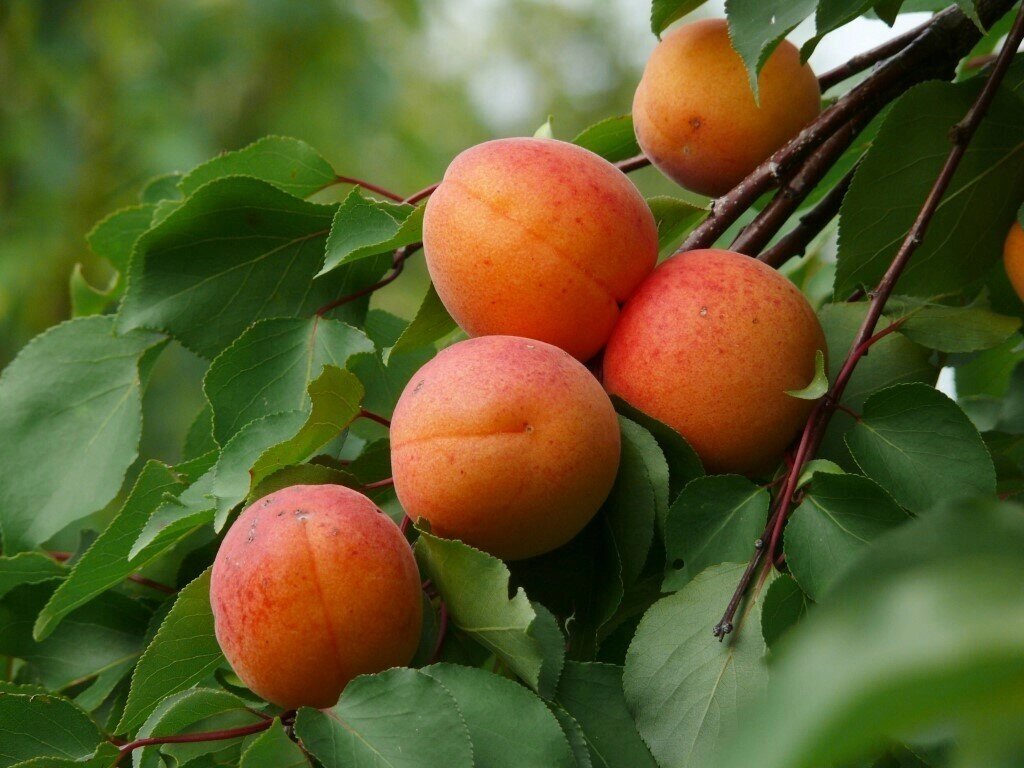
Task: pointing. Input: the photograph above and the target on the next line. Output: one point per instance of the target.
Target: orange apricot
(710, 344)
(312, 586)
(537, 238)
(1013, 258)
(695, 114)
(505, 443)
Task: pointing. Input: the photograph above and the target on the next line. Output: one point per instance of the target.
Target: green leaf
(546, 131)
(364, 227)
(336, 396)
(785, 605)
(289, 164)
(664, 12)
(401, 718)
(105, 564)
(612, 138)
(931, 615)
(104, 757)
(818, 385)
(160, 188)
(191, 711)
(183, 653)
(232, 480)
(638, 498)
(102, 634)
(28, 568)
(44, 726)
(683, 463)
(88, 300)
(236, 251)
(833, 14)
(114, 237)
(840, 515)
(574, 733)
(475, 587)
(965, 236)
(817, 465)
(498, 712)
(269, 367)
(432, 322)
(273, 749)
(756, 27)
(917, 444)
(893, 359)
(79, 382)
(716, 519)
(592, 695)
(951, 329)
(177, 517)
(685, 689)
(303, 474)
(675, 218)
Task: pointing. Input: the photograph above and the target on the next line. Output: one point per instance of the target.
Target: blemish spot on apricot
(703, 311)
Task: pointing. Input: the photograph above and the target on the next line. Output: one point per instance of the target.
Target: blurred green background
(98, 96)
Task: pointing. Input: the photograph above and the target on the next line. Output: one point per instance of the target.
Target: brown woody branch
(960, 136)
(934, 53)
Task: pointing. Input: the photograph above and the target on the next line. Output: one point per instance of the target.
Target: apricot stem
(798, 239)
(365, 414)
(814, 429)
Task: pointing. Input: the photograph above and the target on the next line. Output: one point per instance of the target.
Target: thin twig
(633, 164)
(863, 61)
(192, 738)
(933, 53)
(796, 241)
(814, 430)
(372, 187)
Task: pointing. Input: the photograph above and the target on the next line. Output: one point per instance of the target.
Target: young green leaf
(683, 462)
(592, 695)
(79, 382)
(289, 164)
(87, 299)
(685, 690)
(432, 322)
(839, 516)
(41, 725)
(273, 749)
(785, 604)
(952, 329)
(818, 385)
(475, 586)
(269, 367)
(675, 218)
(497, 712)
(177, 517)
(917, 444)
(756, 27)
(162, 187)
(105, 564)
(546, 131)
(364, 227)
(114, 237)
(664, 12)
(716, 519)
(612, 138)
(401, 718)
(237, 251)
(183, 653)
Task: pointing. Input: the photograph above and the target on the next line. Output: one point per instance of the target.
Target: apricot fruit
(695, 115)
(537, 238)
(312, 586)
(1013, 258)
(710, 344)
(507, 444)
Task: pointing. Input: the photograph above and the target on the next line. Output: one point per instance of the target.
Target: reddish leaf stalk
(193, 738)
(814, 430)
(397, 265)
(372, 187)
(442, 631)
(365, 414)
(385, 483)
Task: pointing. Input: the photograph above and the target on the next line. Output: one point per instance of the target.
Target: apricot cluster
(545, 254)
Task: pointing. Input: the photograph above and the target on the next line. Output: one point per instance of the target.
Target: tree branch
(933, 53)
(814, 430)
(796, 241)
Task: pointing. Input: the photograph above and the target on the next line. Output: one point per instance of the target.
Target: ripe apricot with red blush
(505, 443)
(537, 238)
(710, 344)
(695, 114)
(312, 586)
